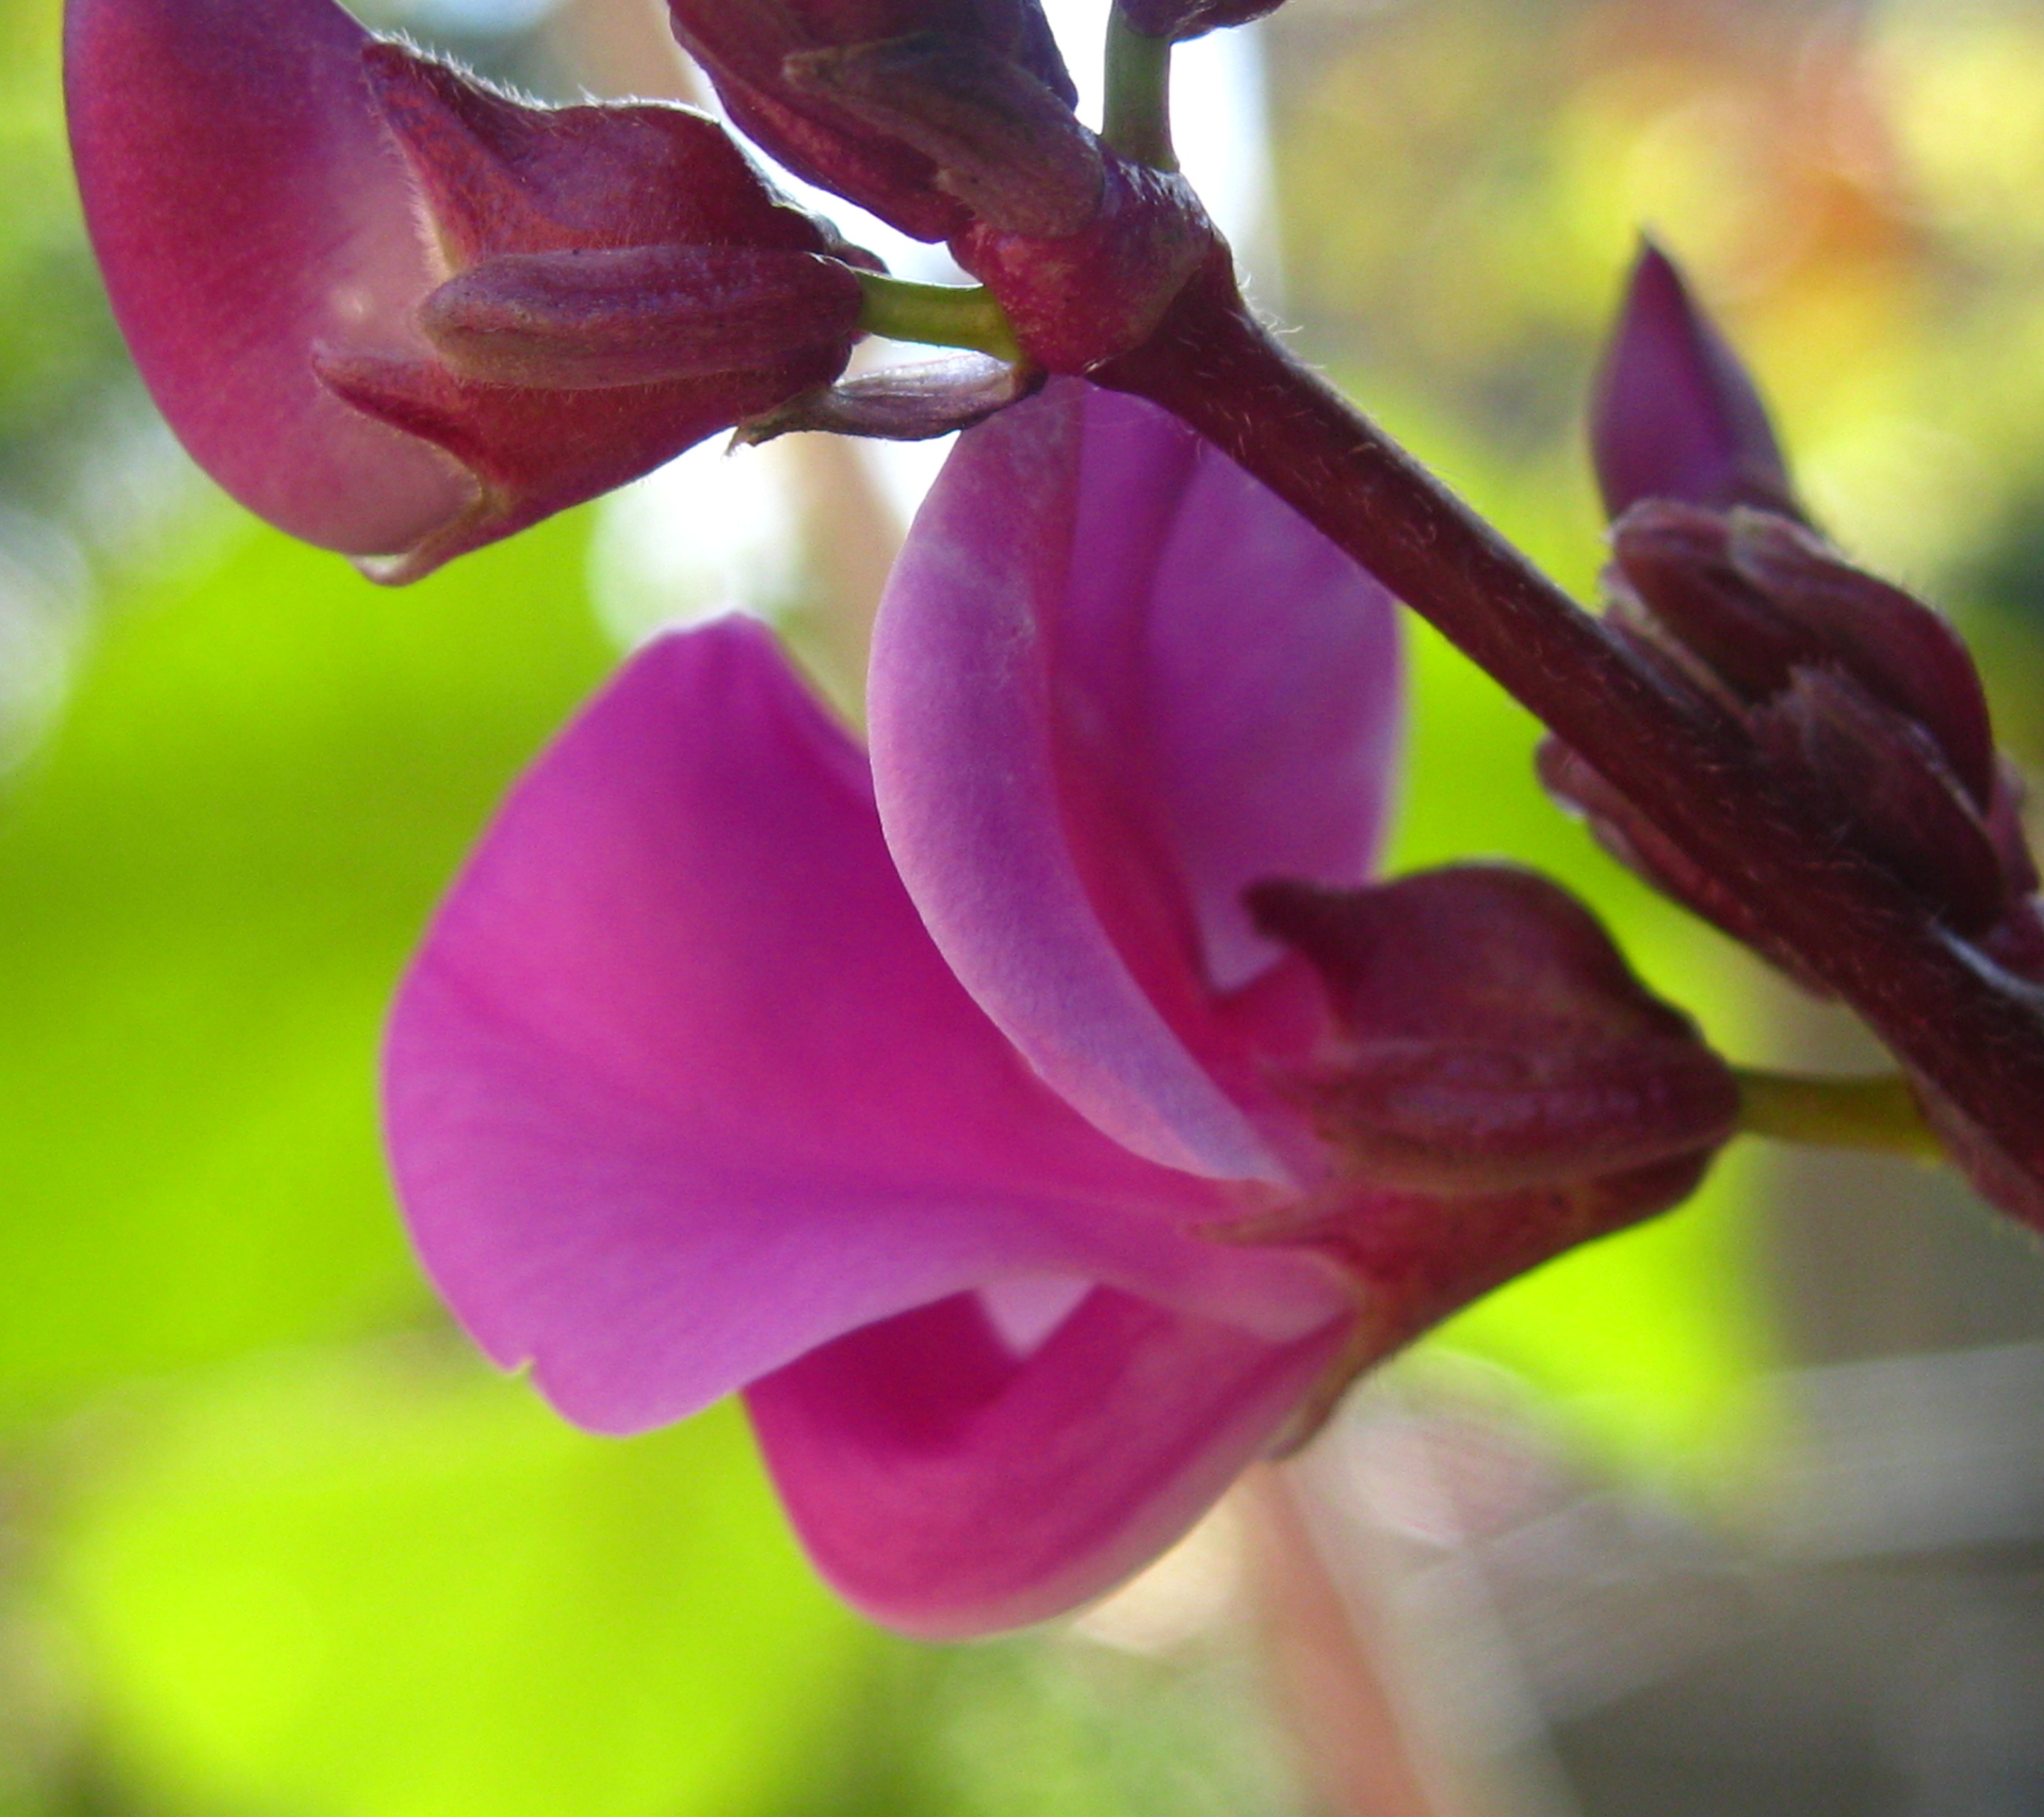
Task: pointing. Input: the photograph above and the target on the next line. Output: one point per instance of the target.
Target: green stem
(1880, 1114)
(1136, 120)
(939, 315)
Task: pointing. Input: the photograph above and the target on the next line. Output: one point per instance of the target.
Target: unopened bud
(1886, 787)
(1893, 645)
(1676, 414)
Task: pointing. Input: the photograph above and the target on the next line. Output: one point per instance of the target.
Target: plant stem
(938, 315)
(1136, 117)
(1975, 1032)
(1880, 1114)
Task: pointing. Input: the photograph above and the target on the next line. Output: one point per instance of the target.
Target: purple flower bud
(1897, 648)
(1866, 702)
(1755, 597)
(1889, 791)
(400, 315)
(827, 125)
(1179, 20)
(1676, 415)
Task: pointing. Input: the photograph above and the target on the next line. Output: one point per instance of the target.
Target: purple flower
(1029, 1168)
(399, 314)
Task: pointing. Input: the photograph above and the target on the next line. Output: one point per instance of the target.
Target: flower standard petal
(949, 1487)
(678, 1089)
(246, 206)
(1114, 683)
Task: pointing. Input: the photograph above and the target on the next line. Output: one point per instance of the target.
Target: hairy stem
(1973, 1030)
(1136, 119)
(1880, 1114)
(938, 315)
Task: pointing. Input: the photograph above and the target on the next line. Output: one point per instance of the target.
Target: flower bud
(1676, 415)
(770, 60)
(1884, 784)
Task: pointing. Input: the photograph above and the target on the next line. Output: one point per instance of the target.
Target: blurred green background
(273, 1543)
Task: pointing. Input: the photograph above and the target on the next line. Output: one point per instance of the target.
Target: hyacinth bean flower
(400, 314)
(964, 1106)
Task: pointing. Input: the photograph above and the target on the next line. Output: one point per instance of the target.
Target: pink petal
(678, 1088)
(950, 1489)
(1676, 414)
(246, 207)
(1115, 682)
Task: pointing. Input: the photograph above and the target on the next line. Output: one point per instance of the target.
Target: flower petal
(246, 207)
(1115, 682)
(678, 1088)
(950, 1489)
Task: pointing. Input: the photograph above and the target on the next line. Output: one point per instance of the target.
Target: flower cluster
(1046, 1112)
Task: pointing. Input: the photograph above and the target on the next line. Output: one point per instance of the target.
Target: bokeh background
(1742, 1513)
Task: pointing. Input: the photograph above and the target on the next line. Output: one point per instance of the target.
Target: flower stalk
(1880, 1115)
(1136, 116)
(937, 315)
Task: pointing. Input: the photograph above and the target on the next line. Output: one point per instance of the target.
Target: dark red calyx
(1882, 783)
(496, 175)
(1078, 300)
(1491, 1037)
(638, 315)
(1498, 1088)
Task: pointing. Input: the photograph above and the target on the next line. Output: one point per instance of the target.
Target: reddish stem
(1976, 1032)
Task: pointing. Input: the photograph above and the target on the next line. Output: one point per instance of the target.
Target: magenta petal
(246, 208)
(1115, 682)
(1676, 414)
(678, 1088)
(949, 1489)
